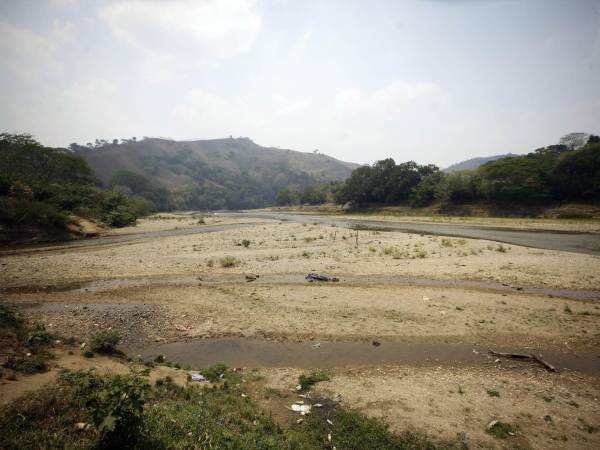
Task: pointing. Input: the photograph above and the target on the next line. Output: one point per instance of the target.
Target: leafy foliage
(115, 404)
(42, 187)
(106, 341)
(548, 174)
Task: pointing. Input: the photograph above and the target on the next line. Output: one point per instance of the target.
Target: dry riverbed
(172, 288)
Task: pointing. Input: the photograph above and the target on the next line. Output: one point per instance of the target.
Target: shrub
(115, 404)
(30, 364)
(106, 341)
(229, 261)
(215, 372)
(307, 381)
(246, 243)
(38, 336)
(500, 429)
(9, 318)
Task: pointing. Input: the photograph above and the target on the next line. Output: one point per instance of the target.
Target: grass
(106, 341)
(501, 430)
(199, 416)
(307, 381)
(493, 393)
(229, 261)
(25, 347)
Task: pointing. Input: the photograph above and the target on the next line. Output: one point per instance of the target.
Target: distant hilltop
(474, 163)
(572, 141)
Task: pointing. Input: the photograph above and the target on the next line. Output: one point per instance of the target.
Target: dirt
(421, 297)
(446, 404)
(70, 358)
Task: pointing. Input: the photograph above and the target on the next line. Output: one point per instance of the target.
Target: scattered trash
(317, 405)
(300, 420)
(329, 422)
(476, 352)
(426, 299)
(302, 409)
(376, 343)
(83, 345)
(547, 419)
(82, 426)
(198, 377)
(313, 276)
(183, 327)
(491, 424)
(329, 437)
(299, 387)
(244, 396)
(317, 345)
(497, 360)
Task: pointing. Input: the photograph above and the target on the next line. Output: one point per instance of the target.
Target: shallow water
(245, 352)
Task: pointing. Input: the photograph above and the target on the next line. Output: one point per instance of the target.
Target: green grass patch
(501, 429)
(307, 381)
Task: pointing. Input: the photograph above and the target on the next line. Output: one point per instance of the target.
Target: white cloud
(189, 30)
(64, 3)
(294, 108)
(26, 54)
(63, 31)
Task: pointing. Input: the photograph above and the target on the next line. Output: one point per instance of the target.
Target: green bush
(307, 381)
(215, 372)
(9, 318)
(106, 341)
(38, 336)
(115, 404)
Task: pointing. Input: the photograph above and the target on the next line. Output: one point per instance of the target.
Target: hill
(474, 163)
(208, 174)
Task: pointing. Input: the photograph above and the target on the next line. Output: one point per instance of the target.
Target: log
(531, 356)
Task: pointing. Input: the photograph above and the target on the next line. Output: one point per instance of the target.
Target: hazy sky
(432, 81)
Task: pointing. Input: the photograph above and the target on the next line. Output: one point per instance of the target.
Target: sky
(434, 81)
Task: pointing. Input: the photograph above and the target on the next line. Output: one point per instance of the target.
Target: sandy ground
(449, 404)
(294, 248)
(426, 399)
(172, 221)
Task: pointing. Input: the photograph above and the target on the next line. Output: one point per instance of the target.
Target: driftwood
(531, 357)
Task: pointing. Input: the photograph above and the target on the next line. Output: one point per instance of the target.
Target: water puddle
(237, 352)
(274, 279)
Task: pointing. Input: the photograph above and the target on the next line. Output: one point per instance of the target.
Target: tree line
(548, 174)
(43, 187)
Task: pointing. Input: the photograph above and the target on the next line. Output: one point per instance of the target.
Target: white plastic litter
(302, 409)
(198, 377)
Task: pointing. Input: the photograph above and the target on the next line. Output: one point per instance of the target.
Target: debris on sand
(302, 409)
(252, 277)
(183, 327)
(531, 357)
(313, 276)
(376, 343)
(198, 377)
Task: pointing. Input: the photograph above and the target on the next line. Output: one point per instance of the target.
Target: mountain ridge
(212, 174)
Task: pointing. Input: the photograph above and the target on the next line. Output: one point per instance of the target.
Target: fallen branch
(533, 357)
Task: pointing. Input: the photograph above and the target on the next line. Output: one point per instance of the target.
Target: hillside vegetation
(42, 190)
(209, 174)
(548, 175)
